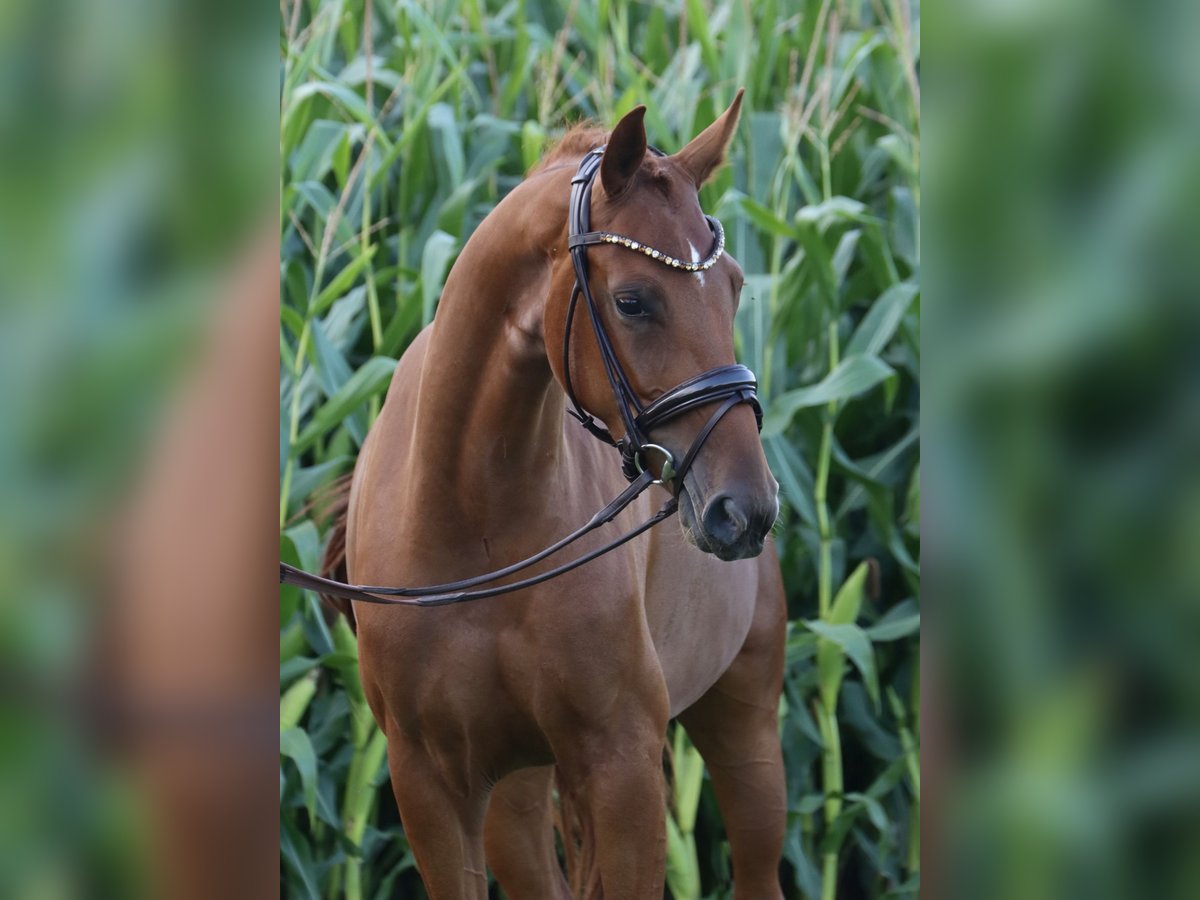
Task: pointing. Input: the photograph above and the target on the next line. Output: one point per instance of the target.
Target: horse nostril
(724, 521)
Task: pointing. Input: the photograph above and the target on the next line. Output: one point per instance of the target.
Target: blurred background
(140, 164)
(403, 124)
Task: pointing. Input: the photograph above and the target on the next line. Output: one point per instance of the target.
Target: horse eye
(630, 306)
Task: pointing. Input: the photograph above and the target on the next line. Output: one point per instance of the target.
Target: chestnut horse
(473, 464)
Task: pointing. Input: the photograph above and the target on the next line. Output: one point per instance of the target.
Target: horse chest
(698, 612)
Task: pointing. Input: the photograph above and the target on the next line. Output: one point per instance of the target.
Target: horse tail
(579, 837)
(334, 504)
(578, 841)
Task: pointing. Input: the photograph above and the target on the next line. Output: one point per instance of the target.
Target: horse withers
(474, 463)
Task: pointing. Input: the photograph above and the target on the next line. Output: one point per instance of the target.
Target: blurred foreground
(138, 298)
(1062, 451)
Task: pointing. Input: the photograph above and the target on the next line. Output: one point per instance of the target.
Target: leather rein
(726, 385)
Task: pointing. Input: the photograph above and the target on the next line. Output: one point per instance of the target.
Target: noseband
(726, 385)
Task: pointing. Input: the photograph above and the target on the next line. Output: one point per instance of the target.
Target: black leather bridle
(727, 386)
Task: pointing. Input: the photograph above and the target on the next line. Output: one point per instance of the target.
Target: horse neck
(489, 412)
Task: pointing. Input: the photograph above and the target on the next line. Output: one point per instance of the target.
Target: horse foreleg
(443, 824)
(519, 836)
(735, 728)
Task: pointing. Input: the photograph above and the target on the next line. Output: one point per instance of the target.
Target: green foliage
(402, 125)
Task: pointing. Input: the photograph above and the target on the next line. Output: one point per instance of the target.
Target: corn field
(402, 124)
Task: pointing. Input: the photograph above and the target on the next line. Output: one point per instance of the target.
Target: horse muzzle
(728, 526)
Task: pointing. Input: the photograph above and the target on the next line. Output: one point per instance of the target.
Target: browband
(607, 237)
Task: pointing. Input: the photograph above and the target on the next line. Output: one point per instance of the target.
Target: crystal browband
(607, 237)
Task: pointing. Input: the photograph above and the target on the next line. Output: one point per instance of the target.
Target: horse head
(667, 324)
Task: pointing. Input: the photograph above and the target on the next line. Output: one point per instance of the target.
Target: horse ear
(706, 152)
(623, 155)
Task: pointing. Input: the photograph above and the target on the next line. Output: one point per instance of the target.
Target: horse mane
(576, 141)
